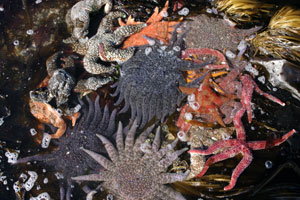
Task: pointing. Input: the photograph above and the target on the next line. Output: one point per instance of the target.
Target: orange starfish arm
(187, 90)
(158, 16)
(156, 29)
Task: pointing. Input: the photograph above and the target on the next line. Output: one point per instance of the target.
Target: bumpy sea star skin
(68, 158)
(133, 174)
(231, 148)
(104, 44)
(149, 80)
(60, 84)
(78, 17)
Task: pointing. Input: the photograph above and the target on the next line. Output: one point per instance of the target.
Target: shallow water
(22, 68)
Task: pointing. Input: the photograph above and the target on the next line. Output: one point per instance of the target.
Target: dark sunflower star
(67, 158)
(149, 80)
(134, 174)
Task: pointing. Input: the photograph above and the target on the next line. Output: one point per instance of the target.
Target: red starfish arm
(240, 131)
(215, 146)
(217, 116)
(247, 91)
(272, 98)
(229, 153)
(244, 163)
(258, 145)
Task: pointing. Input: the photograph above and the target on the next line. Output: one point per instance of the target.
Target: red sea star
(232, 148)
(207, 101)
(248, 86)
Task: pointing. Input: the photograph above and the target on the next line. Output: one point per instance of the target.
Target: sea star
(149, 80)
(132, 174)
(104, 44)
(67, 158)
(246, 95)
(205, 102)
(156, 29)
(232, 147)
(78, 17)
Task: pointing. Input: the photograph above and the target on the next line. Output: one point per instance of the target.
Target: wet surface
(30, 34)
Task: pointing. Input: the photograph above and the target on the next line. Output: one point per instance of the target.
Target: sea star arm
(244, 163)
(272, 98)
(119, 138)
(216, 146)
(129, 141)
(240, 131)
(166, 178)
(258, 145)
(111, 150)
(91, 177)
(107, 164)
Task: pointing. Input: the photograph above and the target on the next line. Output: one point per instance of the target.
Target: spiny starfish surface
(136, 173)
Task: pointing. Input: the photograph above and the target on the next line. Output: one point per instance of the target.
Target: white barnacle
(194, 105)
(146, 148)
(209, 10)
(33, 132)
(46, 140)
(184, 11)
(251, 69)
(188, 116)
(45, 181)
(164, 14)
(229, 54)
(171, 53)
(12, 156)
(176, 48)
(17, 186)
(42, 196)
(29, 32)
(191, 98)
(16, 42)
(28, 185)
(59, 112)
(163, 47)
(182, 136)
(59, 175)
(148, 50)
(38, 1)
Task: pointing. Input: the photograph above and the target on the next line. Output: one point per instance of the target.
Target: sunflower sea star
(133, 174)
(149, 80)
(68, 159)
